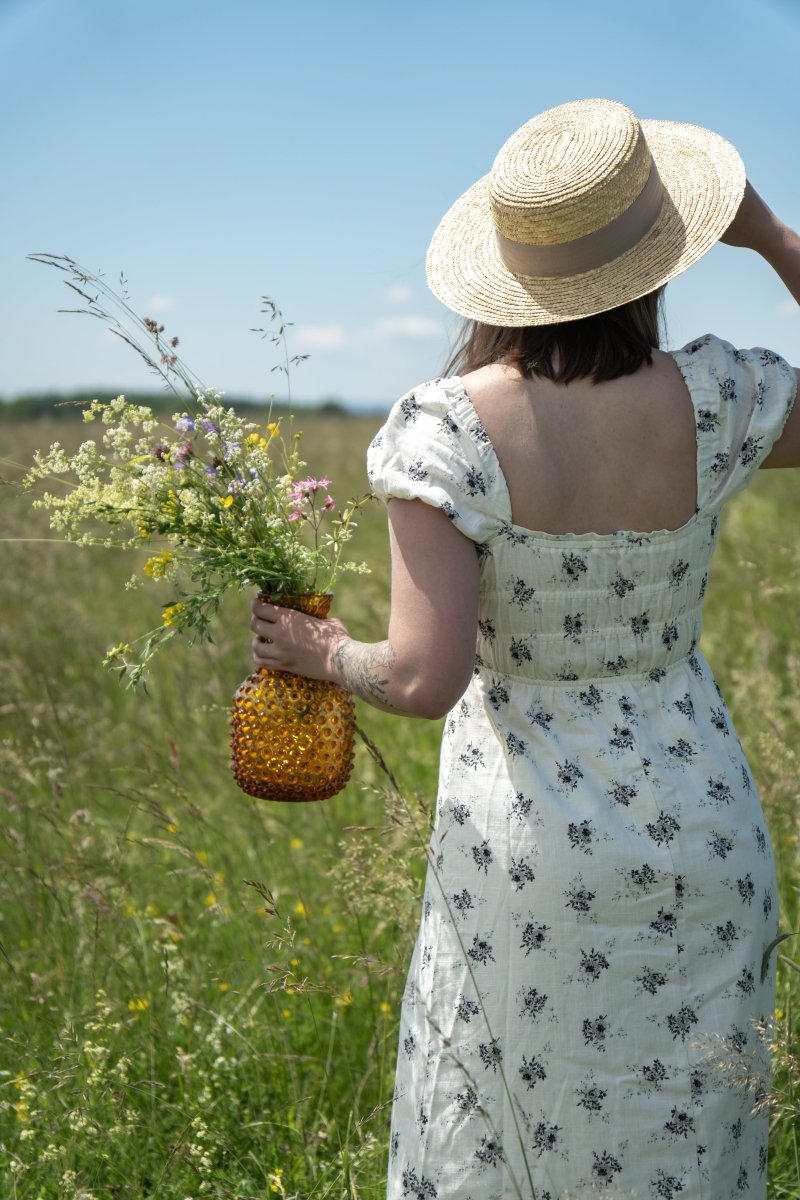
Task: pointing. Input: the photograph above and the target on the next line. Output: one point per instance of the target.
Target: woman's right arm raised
(756, 227)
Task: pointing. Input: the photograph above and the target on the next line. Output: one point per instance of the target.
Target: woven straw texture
(570, 172)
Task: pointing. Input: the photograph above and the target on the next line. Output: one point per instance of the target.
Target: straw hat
(585, 208)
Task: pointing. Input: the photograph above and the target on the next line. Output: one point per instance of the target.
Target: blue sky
(217, 152)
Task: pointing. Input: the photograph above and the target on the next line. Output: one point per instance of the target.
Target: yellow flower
(138, 1004)
(384, 1008)
(345, 1000)
(156, 566)
(224, 987)
(226, 501)
(115, 652)
(337, 928)
(778, 1014)
(144, 532)
(151, 910)
(300, 909)
(210, 900)
(294, 962)
(286, 1013)
(172, 613)
(172, 827)
(273, 428)
(306, 941)
(201, 856)
(296, 844)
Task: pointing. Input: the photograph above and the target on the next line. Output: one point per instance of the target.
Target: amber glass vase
(292, 738)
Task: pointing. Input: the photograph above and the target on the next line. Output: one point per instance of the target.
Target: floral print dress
(601, 889)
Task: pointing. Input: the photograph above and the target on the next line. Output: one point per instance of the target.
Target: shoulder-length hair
(613, 343)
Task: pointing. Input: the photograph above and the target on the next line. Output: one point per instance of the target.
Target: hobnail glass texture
(292, 738)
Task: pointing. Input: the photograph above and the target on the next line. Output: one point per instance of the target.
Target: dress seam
(605, 680)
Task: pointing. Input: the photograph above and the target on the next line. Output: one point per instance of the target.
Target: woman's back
(592, 457)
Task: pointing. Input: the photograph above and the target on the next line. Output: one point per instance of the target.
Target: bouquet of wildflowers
(217, 500)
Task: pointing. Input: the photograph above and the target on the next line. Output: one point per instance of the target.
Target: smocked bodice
(560, 608)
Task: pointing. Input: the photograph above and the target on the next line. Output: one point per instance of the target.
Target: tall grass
(201, 991)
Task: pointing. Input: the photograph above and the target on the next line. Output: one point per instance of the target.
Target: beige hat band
(593, 249)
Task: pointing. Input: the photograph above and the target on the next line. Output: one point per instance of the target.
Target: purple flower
(209, 427)
(160, 451)
(184, 423)
(182, 455)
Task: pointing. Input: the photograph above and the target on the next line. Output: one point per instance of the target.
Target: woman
(601, 891)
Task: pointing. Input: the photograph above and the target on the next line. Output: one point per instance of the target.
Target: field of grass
(200, 991)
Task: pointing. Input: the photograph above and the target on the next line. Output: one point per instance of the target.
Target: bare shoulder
(490, 379)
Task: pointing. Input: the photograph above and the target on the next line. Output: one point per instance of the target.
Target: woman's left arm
(425, 664)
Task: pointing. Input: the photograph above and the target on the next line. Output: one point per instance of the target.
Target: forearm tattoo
(364, 668)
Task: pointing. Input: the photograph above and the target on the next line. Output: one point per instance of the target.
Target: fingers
(267, 653)
(262, 652)
(263, 609)
(273, 643)
(264, 620)
(286, 640)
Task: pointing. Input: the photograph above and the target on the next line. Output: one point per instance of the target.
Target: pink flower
(329, 505)
(305, 488)
(295, 515)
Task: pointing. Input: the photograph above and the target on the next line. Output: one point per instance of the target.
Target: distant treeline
(60, 405)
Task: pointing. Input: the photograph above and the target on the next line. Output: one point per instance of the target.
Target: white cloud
(160, 304)
(398, 293)
(787, 308)
(308, 338)
(320, 337)
(410, 326)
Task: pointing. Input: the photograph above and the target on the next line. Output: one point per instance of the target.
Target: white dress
(601, 888)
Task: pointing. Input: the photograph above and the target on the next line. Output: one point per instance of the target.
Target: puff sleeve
(742, 399)
(434, 448)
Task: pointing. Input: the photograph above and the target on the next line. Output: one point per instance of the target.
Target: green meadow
(200, 991)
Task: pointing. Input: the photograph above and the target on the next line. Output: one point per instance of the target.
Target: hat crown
(568, 172)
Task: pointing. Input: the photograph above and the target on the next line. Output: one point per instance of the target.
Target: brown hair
(613, 343)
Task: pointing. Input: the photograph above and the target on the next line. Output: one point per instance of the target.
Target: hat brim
(704, 180)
